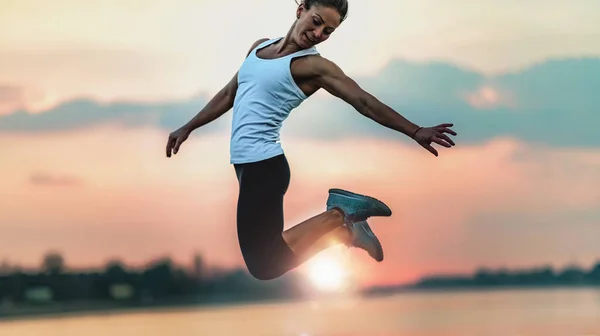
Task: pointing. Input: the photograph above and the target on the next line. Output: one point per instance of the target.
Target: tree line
(572, 275)
(161, 281)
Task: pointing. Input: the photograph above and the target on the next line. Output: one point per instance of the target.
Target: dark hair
(340, 5)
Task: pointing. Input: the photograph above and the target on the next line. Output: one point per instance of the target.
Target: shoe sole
(353, 195)
(379, 247)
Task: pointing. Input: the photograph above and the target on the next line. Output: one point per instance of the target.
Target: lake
(542, 312)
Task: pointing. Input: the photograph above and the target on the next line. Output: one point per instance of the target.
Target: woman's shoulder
(257, 43)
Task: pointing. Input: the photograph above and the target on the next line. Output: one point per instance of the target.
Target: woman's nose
(318, 33)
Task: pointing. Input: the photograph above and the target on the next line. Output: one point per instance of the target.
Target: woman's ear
(300, 10)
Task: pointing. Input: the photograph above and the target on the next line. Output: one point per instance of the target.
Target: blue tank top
(266, 95)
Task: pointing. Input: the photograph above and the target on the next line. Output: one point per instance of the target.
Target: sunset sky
(90, 90)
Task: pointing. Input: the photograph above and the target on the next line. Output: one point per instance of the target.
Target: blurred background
(101, 234)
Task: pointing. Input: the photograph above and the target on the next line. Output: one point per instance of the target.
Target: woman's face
(315, 25)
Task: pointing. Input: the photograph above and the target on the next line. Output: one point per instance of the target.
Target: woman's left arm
(330, 77)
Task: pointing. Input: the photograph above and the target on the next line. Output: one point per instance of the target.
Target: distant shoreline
(55, 291)
(378, 291)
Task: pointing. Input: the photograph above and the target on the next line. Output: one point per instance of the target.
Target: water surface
(564, 312)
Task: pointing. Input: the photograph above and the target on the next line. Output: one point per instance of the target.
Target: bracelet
(415, 133)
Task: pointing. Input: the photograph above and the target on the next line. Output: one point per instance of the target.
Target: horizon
(214, 272)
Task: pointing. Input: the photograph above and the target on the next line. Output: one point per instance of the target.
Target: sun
(329, 272)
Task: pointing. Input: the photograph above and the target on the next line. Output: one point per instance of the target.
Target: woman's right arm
(220, 103)
(216, 107)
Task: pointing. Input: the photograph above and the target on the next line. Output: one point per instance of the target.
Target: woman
(276, 76)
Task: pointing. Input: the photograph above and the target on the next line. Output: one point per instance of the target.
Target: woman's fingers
(447, 138)
(430, 149)
(445, 129)
(441, 142)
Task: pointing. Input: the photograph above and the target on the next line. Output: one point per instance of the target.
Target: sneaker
(356, 207)
(364, 238)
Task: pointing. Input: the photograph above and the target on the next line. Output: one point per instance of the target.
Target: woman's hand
(425, 136)
(176, 139)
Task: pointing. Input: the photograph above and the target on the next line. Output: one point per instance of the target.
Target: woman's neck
(287, 44)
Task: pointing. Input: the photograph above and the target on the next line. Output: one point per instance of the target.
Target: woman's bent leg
(317, 234)
(268, 251)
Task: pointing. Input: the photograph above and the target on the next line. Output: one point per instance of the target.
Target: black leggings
(262, 186)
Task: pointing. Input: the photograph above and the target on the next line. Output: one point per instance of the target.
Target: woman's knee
(263, 272)
(262, 268)
(268, 261)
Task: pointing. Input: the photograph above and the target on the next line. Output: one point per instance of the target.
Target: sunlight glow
(329, 272)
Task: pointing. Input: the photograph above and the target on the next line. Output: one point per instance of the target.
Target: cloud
(11, 98)
(9, 93)
(44, 179)
(553, 102)
(84, 113)
(487, 97)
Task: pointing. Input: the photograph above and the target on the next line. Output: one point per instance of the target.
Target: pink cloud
(488, 97)
(53, 180)
(13, 98)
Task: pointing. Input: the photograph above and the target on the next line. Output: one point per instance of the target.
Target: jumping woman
(276, 76)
